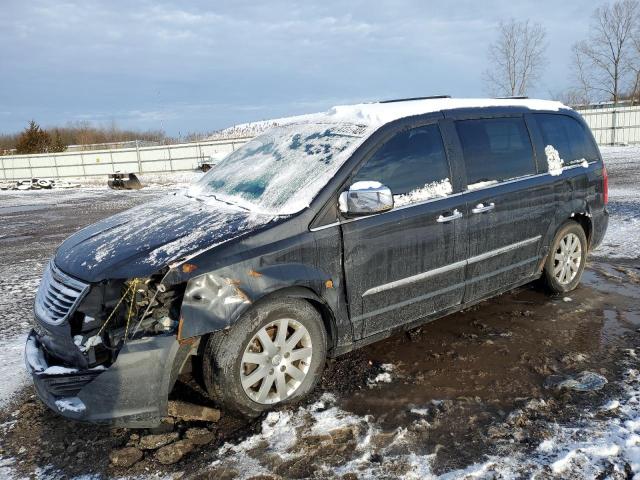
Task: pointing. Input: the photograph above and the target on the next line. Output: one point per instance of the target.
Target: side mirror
(365, 198)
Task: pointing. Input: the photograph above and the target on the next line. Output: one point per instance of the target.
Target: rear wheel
(274, 354)
(567, 258)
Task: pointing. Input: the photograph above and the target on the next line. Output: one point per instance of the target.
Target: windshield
(281, 171)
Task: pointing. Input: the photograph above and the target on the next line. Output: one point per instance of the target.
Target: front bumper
(132, 392)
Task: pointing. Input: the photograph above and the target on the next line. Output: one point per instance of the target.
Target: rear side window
(495, 149)
(413, 164)
(567, 136)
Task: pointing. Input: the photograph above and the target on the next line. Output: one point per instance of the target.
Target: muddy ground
(472, 386)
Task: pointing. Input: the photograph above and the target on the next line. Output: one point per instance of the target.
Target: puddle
(501, 350)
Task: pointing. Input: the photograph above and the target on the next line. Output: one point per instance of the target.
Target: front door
(407, 263)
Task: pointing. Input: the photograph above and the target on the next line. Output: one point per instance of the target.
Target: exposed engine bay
(115, 312)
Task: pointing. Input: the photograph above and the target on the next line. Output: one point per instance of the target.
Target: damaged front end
(106, 352)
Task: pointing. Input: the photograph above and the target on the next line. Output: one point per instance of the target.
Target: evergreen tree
(33, 140)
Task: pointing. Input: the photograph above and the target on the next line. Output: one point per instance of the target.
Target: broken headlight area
(115, 312)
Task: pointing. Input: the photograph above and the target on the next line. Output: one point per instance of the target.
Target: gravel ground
(476, 394)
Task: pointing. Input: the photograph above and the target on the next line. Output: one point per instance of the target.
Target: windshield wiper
(227, 202)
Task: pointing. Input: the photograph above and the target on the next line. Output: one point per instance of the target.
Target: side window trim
(536, 143)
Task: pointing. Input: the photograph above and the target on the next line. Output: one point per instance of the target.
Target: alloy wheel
(276, 361)
(567, 259)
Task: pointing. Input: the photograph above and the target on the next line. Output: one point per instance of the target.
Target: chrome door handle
(481, 208)
(454, 216)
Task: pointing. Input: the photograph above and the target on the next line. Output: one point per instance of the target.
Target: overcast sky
(199, 66)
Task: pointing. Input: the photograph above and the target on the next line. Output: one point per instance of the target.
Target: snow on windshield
(281, 171)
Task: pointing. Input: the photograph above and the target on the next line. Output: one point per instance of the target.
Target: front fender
(215, 300)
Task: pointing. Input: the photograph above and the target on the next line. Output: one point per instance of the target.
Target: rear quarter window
(495, 149)
(568, 136)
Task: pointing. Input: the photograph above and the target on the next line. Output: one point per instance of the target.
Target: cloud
(203, 65)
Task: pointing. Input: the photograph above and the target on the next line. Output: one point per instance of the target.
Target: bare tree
(582, 91)
(634, 94)
(516, 58)
(605, 59)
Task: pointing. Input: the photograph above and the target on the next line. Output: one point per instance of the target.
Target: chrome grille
(58, 295)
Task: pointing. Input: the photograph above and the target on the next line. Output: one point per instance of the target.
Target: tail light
(605, 184)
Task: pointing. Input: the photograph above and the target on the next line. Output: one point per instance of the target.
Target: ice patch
(431, 190)
(546, 446)
(554, 162)
(384, 377)
(423, 412)
(71, 404)
(57, 370)
(583, 382)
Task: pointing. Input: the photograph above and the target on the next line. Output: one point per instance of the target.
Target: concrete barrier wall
(90, 163)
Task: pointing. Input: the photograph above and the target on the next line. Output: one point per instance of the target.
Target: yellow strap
(133, 299)
(114, 310)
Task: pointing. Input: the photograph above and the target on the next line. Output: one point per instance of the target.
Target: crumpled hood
(140, 241)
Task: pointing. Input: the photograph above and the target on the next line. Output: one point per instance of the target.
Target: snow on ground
(148, 180)
(603, 441)
(623, 235)
(12, 371)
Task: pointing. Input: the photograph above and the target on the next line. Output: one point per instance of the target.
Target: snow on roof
(377, 114)
(381, 113)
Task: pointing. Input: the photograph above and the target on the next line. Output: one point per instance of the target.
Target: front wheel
(275, 353)
(567, 258)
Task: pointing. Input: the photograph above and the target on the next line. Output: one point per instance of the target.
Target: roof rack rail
(513, 97)
(432, 97)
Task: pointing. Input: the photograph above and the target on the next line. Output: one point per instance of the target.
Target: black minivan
(315, 238)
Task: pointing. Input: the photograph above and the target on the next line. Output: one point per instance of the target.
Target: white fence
(158, 159)
(611, 126)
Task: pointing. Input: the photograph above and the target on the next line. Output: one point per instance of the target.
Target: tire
(566, 259)
(225, 365)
